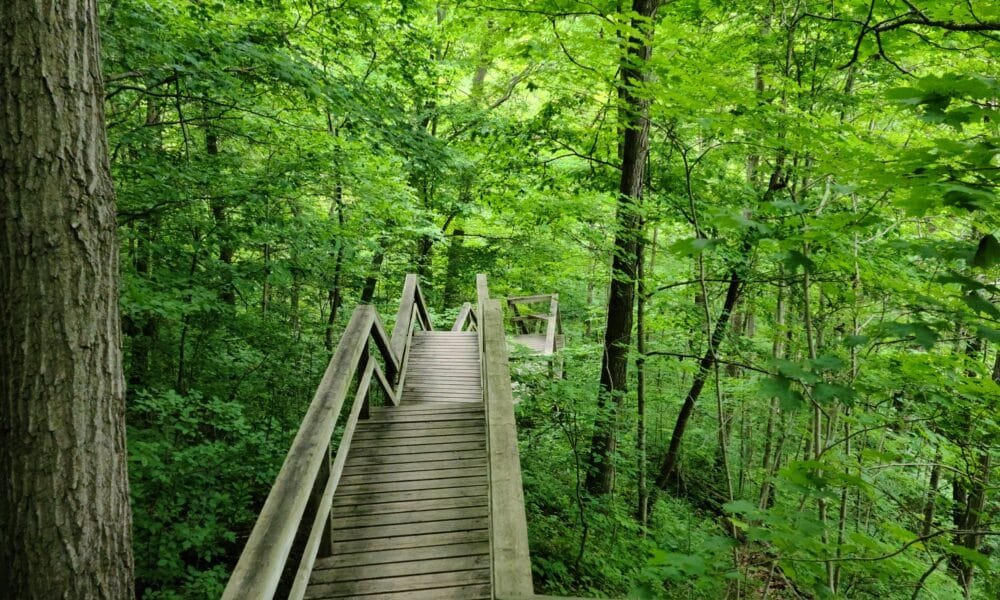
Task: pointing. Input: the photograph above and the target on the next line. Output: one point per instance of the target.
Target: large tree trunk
(621, 296)
(64, 502)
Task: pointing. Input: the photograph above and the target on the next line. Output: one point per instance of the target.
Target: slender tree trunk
(142, 331)
(228, 293)
(368, 290)
(621, 297)
(640, 387)
(334, 294)
(449, 296)
(777, 351)
(64, 500)
(930, 502)
(669, 465)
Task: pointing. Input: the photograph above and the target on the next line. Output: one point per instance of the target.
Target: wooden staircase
(414, 507)
(443, 367)
(412, 498)
(419, 498)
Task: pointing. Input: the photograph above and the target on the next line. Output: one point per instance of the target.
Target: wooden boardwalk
(417, 499)
(413, 494)
(443, 367)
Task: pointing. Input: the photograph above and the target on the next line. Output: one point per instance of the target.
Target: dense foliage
(818, 253)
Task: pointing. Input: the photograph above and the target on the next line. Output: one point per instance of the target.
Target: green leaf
(853, 341)
(988, 252)
(981, 305)
(692, 246)
(795, 370)
(826, 392)
(795, 259)
(780, 387)
(827, 362)
(922, 334)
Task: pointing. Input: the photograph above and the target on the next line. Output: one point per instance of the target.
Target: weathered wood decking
(413, 499)
(422, 497)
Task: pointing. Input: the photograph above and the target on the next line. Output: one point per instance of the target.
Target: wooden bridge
(417, 496)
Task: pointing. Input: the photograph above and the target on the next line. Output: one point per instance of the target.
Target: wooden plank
(447, 384)
(442, 392)
(404, 555)
(453, 384)
(420, 449)
(467, 491)
(399, 569)
(418, 441)
(429, 395)
(482, 289)
(410, 408)
(422, 312)
(383, 427)
(531, 317)
(404, 316)
(354, 589)
(442, 333)
(417, 516)
(464, 343)
(508, 524)
(410, 541)
(405, 529)
(398, 433)
(436, 454)
(384, 345)
(403, 486)
(416, 468)
(470, 420)
(414, 412)
(384, 508)
(424, 413)
(461, 592)
(458, 346)
(263, 559)
(550, 330)
(386, 417)
(386, 386)
(452, 378)
(463, 316)
(458, 370)
(464, 391)
(470, 400)
(530, 299)
(406, 475)
(441, 385)
(407, 407)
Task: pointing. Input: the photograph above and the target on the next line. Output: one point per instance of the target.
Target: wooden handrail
(466, 317)
(511, 563)
(259, 570)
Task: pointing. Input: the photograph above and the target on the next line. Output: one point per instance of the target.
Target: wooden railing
(466, 320)
(549, 320)
(307, 481)
(511, 564)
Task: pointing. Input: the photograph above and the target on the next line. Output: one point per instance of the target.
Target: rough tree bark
(64, 503)
(621, 296)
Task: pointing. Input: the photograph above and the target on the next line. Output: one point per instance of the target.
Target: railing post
(550, 330)
(508, 524)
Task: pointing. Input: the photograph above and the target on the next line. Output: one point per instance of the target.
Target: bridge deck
(412, 504)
